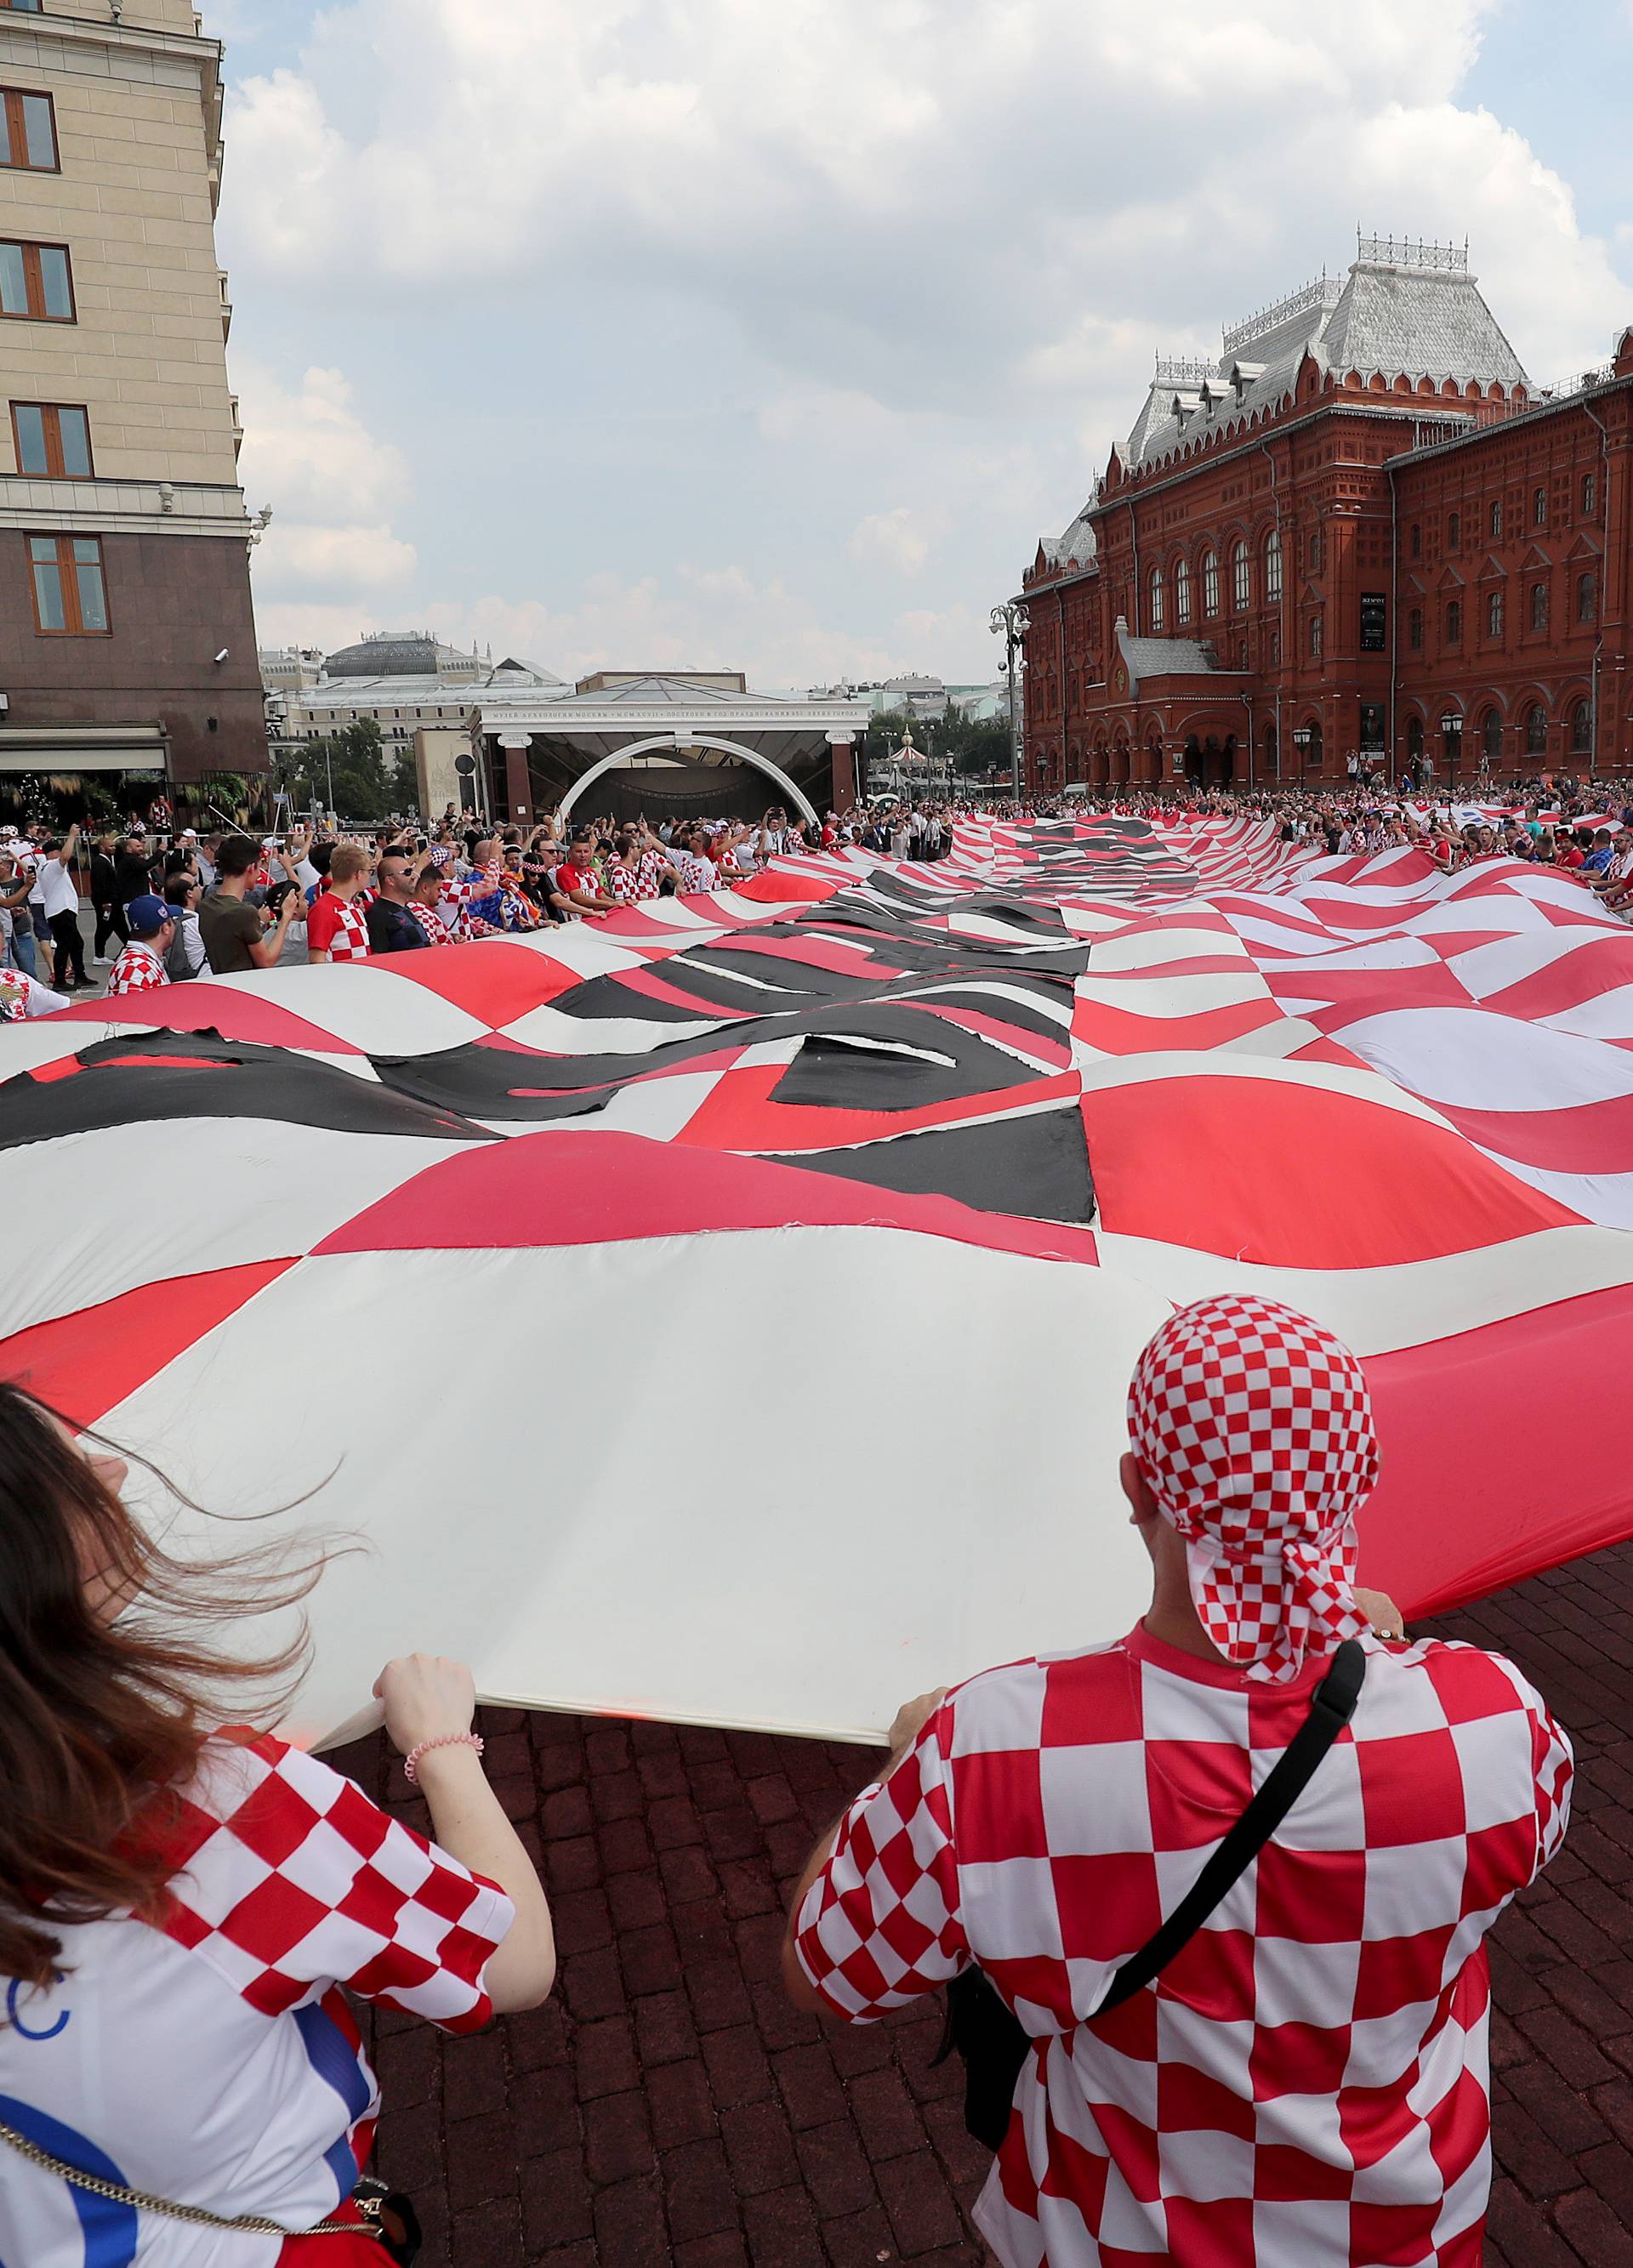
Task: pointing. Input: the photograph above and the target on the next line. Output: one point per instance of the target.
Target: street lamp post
(1011, 621)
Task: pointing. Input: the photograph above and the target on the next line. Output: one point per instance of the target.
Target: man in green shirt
(237, 935)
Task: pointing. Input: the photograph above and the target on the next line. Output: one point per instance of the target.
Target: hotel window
(1536, 730)
(1496, 519)
(1241, 578)
(1454, 622)
(1587, 598)
(1273, 566)
(1157, 606)
(1415, 630)
(1210, 582)
(53, 441)
(1589, 495)
(1182, 590)
(1318, 636)
(36, 282)
(1538, 606)
(70, 597)
(1454, 531)
(27, 131)
(1539, 507)
(1494, 614)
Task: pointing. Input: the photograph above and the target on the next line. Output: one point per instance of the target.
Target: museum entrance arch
(663, 743)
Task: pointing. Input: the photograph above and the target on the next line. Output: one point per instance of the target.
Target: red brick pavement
(667, 2106)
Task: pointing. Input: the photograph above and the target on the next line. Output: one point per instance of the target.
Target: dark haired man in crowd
(237, 935)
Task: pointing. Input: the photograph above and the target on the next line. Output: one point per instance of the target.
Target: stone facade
(1297, 558)
(136, 105)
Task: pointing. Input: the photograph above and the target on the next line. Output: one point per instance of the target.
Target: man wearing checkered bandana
(1304, 2085)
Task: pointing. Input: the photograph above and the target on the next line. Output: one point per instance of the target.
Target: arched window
(1539, 507)
(1491, 735)
(1454, 622)
(1536, 730)
(1210, 582)
(1415, 739)
(1581, 729)
(1494, 614)
(1315, 551)
(1538, 606)
(1241, 578)
(1589, 495)
(1182, 589)
(1415, 630)
(1497, 518)
(1454, 531)
(1273, 566)
(1417, 539)
(1318, 636)
(1158, 602)
(1587, 598)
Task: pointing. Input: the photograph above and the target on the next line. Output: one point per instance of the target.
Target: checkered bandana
(442, 853)
(1253, 1427)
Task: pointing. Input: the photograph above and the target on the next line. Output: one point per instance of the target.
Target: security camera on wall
(222, 656)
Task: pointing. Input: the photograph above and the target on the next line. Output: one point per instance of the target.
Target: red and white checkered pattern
(1253, 1426)
(337, 926)
(138, 969)
(633, 885)
(1307, 2080)
(207, 2053)
(288, 1880)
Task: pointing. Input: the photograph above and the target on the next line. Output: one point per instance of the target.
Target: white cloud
(929, 253)
(333, 488)
(898, 539)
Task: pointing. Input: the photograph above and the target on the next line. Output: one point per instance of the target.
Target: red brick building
(1364, 529)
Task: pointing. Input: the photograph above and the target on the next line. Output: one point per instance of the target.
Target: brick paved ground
(669, 2105)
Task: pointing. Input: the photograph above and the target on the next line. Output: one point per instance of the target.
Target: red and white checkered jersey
(138, 969)
(337, 926)
(209, 2058)
(1306, 2086)
(432, 922)
(632, 885)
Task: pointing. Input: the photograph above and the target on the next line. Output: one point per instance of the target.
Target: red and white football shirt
(633, 885)
(1306, 2083)
(210, 2057)
(337, 927)
(138, 969)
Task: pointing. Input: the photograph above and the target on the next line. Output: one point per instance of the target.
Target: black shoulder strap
(1330, 1711)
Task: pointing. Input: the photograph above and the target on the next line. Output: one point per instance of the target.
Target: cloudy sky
(770, 334)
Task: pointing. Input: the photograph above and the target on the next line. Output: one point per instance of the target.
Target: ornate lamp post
(1011, 621)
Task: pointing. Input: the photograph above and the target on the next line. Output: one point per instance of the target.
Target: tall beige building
(127, 640)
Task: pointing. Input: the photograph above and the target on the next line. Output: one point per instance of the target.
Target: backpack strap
(1332, 1707)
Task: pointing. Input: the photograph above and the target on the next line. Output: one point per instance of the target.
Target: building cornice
(1134, 489)
(1559, 406)
(18, 32)
(116, 507)
(571, 716)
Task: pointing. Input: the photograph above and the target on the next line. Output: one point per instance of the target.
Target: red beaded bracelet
(411, 1763)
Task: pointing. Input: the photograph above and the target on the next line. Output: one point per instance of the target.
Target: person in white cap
(1228, 1877)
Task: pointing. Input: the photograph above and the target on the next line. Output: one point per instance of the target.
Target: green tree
(355, 761)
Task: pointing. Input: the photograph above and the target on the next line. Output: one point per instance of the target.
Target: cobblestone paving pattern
(668, 2106)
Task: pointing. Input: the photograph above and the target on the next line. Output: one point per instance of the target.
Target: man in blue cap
(140, 968)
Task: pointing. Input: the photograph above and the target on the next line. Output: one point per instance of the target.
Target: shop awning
(84, 748)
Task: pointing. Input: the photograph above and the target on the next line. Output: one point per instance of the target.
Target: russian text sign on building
(1374, 621)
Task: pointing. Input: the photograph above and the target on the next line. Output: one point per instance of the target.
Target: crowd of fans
(182, 906)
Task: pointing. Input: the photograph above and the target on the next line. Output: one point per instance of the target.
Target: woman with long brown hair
(180, 1907)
